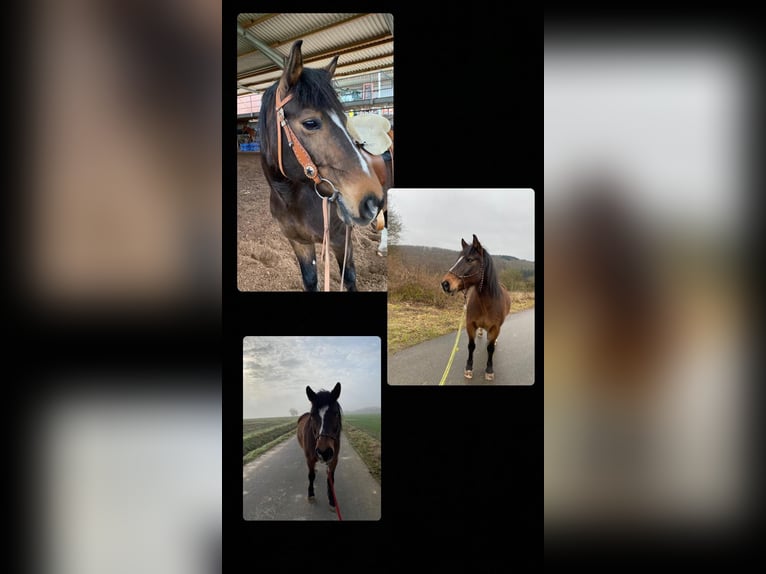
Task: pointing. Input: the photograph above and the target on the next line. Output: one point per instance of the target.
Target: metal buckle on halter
(334, 189)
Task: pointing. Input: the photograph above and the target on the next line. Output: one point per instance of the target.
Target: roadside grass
(363, 432)
(255, 453)
(370, 423)
(256, 443)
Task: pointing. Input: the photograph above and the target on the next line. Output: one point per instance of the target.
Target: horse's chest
(485, 314)
(298, 218)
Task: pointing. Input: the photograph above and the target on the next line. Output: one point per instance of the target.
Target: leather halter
(310, 170)
(462, 277)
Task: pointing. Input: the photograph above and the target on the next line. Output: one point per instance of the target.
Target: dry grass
(413, 323)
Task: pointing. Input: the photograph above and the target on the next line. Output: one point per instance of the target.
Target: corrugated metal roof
(363, 41)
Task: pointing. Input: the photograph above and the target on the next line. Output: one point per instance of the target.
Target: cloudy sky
(276, 370)
(502, 219)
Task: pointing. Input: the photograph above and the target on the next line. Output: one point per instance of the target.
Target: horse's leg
(492, 335)
(470, 328)
(331, 481)
(312, 474)
(349, 275)
(306, 255)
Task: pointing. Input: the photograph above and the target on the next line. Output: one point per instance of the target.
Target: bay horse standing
(319, 436)
(487, 300)
(307, 155)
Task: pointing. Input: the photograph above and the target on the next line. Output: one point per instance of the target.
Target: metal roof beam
(272, 55)
(242, 87)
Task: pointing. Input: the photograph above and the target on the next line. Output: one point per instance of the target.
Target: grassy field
(369, 423)
(252, 425)
(363, 431)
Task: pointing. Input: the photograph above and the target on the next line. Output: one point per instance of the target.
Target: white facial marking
(322, 413)
(334, 117)
(459, 259)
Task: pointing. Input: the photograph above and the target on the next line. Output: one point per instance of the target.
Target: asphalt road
(513, 361)
(275, 486)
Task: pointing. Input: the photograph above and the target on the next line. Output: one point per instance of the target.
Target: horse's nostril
(370, 206)
(445, 286)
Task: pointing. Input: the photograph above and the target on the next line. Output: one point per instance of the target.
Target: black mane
(491, 284)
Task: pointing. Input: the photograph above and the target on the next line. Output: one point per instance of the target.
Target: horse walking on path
(319, 436)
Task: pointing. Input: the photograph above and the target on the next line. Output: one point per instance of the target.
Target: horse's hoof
(381, 254)
(468, 374)
(489, 376)
(312, 499)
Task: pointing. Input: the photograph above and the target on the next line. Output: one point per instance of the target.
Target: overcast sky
(276, 370)
(502, 219)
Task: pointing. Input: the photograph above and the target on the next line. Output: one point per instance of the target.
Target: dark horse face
(316, 116)
(468, 269)
(325, 421)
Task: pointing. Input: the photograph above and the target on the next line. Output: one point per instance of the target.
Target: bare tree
(395, 227)
(293, 412)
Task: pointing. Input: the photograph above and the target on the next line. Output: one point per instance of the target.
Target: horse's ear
(476, 244)
(310, 394)
(463, 243)
(293, 69)
(331, 66)
(335, 391)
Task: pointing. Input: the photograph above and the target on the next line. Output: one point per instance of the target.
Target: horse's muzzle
(445, 286)
(326, 454)
(366, 211)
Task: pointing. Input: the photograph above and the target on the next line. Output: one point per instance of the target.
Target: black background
(461, 466)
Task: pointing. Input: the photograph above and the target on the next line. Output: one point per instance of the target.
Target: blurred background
(115, 229)
(650, 169)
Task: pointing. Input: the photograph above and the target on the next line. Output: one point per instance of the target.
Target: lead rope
(335, 498)
(325, 250)
(312, 172)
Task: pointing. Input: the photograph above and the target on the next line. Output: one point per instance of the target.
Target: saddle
(373, 134)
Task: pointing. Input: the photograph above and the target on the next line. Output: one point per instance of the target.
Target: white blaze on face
(459, 259)
(322, 413)
(363, 162)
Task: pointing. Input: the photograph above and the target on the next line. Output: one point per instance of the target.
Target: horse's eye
(312, 124)
(469, 259)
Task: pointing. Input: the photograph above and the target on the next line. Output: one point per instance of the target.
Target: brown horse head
(469, 269)
(325, 422)
(314, 115)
